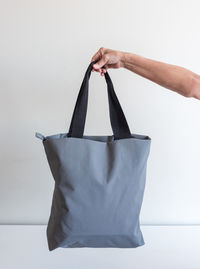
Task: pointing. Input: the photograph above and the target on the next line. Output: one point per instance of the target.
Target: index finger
(96, 56)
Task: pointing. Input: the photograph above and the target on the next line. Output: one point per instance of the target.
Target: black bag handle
(118, 121)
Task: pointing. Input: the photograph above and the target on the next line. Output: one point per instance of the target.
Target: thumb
(101, 62)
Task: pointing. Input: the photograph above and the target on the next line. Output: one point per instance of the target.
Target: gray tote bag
(99, 181)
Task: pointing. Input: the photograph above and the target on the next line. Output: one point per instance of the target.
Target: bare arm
(173, 77)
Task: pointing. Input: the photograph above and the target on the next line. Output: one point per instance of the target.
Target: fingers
(106, 58)
(103, 71)
(96, 56)
(101, 62)
(99, 55)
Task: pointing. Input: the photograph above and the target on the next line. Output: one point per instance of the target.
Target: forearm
(170, 76)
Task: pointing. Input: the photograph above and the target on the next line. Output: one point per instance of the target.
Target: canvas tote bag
(99, 180)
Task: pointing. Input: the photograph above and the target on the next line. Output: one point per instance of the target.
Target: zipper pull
(40, 136)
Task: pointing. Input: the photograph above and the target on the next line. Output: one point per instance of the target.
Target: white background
(45, 48)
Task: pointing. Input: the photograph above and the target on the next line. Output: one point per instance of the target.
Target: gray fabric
(98, 191)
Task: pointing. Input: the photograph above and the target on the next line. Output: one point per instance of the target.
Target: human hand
(107, 58)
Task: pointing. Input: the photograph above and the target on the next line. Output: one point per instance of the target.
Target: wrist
(124, 59)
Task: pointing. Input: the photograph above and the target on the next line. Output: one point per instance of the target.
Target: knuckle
(101, 50)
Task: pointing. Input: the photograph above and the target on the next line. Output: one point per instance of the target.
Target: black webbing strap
(118, 121)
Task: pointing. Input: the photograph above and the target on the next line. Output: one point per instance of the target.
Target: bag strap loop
(117, 118)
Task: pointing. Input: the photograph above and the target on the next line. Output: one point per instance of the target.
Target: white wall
(45, 49)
